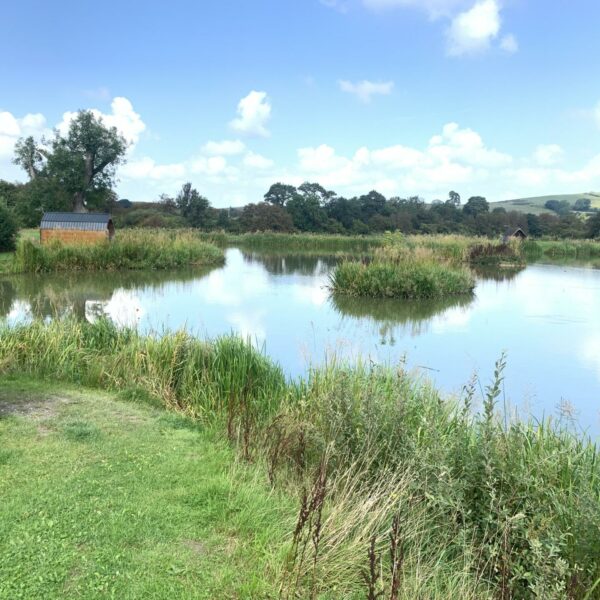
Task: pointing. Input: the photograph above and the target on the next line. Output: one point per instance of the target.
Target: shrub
(8, 230)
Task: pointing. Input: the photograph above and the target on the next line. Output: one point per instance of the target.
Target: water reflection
(496, 274)
(292, 264)
(546, 317)
(83, 295)
(388, 315)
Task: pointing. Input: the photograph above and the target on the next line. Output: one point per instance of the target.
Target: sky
(499, 98)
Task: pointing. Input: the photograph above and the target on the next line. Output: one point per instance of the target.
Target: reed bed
(135, 249)
(398, 270)
(400, 490)
(410, 280)
(309, 242)
(581, 249)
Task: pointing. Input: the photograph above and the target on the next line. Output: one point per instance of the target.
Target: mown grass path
(101, 498)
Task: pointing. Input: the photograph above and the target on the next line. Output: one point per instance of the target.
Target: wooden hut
(76, 228)
(514, 234)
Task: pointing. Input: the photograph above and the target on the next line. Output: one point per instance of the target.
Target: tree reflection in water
(388, 315)
(68, 294)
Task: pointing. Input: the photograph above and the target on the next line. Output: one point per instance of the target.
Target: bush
(8, 230)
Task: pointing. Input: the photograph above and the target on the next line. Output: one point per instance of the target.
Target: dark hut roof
(79, 221)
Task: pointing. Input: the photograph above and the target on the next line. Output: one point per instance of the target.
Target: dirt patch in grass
(195, 546)
(31, 404)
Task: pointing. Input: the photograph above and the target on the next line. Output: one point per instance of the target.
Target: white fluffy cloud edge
(231, 173)
(472, 27)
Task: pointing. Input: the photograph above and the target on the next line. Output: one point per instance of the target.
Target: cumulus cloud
(224, 148)
(12, 128)
(473, 30)
(122, 116)
(548, 154)
(254, 111)
(473, 24)
(365, 90)
(453, 157)
(214, 165)
(257, 161)
(147, 168)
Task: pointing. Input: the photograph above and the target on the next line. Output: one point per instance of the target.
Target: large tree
(194, 207)
(280, 194)
(81, 164)
(85, 160)
(30, 156)
(265, 217)
(476, 205)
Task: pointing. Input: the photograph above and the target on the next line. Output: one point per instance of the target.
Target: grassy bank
(129, 250)
(474, 507)
(102, 498)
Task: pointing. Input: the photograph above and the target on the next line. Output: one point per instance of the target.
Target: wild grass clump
(401, 491)
(296, 241)
(499, 510)
(581, 249)
(221, 379)
(411, 280)
(136, 249)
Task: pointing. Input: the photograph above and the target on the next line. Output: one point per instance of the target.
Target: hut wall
(73, 236)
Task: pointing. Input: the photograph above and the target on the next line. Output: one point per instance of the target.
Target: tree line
(75, 171)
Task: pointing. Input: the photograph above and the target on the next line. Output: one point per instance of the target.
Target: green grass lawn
(102, 498)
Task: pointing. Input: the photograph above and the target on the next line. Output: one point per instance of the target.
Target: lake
(545, 317)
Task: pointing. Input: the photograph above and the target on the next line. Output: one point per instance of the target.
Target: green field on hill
(535, 205)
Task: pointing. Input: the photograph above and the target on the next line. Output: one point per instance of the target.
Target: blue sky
(499, 98)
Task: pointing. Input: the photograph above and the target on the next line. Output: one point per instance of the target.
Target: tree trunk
(79, 202)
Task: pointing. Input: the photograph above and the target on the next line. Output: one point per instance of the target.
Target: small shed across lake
(514, 234)
(76, 228)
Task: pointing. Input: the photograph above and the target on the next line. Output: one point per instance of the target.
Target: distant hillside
(535, 205)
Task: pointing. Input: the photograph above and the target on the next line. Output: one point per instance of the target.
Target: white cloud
(254, 111)
(398, 157)
(9, 125)
(147, 168)
(127, 122)
(224, 148)
(435, 8)
(456, 156)
(597, 114)
(509, 44)
(473, 30)
(214, 165)
(12, 128)
(473, 24)
(320, 159)
(256, 161)
(548, 154)
(365, 90)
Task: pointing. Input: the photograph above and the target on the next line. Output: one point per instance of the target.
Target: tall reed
(484, 507)
(133, 249)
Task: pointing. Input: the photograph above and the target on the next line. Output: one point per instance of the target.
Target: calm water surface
(546, 318)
